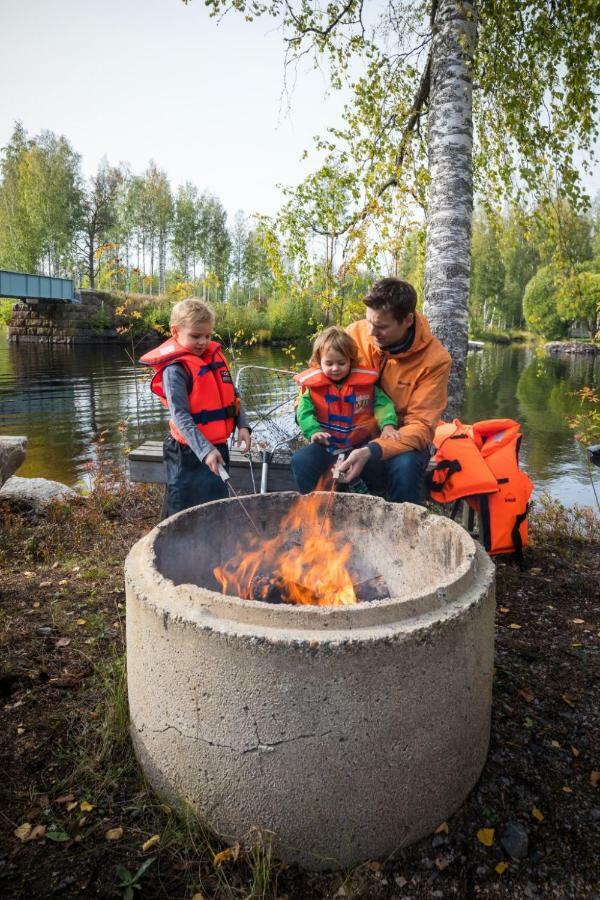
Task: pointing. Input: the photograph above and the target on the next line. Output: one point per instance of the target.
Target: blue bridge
(20, 286)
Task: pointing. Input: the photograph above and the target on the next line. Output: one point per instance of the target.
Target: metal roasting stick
(336, 476)
(226, 479)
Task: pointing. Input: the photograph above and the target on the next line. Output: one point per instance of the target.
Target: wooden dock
(146, 466)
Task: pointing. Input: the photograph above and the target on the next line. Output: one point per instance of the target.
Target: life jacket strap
(211, 367)
(450, 466)
(214, 415)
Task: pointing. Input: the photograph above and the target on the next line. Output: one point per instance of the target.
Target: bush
(6, 311)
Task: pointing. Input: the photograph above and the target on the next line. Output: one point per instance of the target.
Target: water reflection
(63, 397)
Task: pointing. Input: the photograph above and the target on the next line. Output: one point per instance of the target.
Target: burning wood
(306, 563)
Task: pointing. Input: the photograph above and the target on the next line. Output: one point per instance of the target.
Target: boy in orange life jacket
(340, 407)
(193, 380)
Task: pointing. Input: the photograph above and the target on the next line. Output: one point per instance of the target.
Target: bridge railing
(22, 286)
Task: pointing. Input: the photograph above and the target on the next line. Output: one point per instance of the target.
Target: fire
(305, 563)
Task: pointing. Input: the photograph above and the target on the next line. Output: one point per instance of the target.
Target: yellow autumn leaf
(537, 814)
(81, 621)
(150, 842)
(442, 829)
(578, 621)
(230, 853)
(23, 831)
(514, 625)
(567, 789)
(501, 868)
(114, 834)
(84, 806)
(71, 805)
(485, 836)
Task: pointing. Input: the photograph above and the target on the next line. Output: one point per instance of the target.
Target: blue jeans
(189, 481)
(401, 478)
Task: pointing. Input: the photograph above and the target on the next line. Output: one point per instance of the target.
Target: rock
(34, 493)
(595, 814)
(12, 454)
(515, 840)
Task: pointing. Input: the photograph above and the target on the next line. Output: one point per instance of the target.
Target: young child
(193, 380)
(340, 408)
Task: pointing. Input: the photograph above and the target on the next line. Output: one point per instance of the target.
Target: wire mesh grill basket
(269, 397)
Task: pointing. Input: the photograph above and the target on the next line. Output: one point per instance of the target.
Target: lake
(63, 398)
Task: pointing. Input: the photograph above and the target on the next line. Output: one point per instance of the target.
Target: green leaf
(124, 874)
(128, 893)
(58, 836)
(144, 868)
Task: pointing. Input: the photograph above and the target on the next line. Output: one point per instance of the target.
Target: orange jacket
(213, 401)
(416, 380)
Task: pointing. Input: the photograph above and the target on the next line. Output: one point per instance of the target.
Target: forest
(535, 265)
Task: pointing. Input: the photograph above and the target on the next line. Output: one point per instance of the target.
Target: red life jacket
(345, 411)
(480, 464)
(213, 401)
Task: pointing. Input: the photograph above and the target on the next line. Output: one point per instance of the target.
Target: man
(414, 367)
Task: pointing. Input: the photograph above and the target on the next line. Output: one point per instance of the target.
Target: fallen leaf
(63, 581)
(65, 798)
(63, 642)
(568, 699)
(81, 622)
(514, 626)
(198, 897)
(20, 731)
(55, 565)
(578, 621)
(441, 863)
(23, 831)
(59, 836)
(84, 806)
(166, 809)
(147, 845)
(567, 789)
(38, 832)
(555, 744)
(442, 829)
(71, 806)
(537, 814)
(114, 834)
(504, 609)
(526, 694)
(575, 751)
(485, 836)
(501, 868)
(29, 574)
(36, 605)
(229, 853)
(45, 583)
(594, 778)
(535, 571)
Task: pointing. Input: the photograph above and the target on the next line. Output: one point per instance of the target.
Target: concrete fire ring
(346, 732)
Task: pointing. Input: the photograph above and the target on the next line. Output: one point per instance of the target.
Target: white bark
(450, 197)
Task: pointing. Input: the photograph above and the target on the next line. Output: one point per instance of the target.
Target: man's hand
(243, 437)
(213, 460)
(320, 437)
(353, 466)
(389, 433)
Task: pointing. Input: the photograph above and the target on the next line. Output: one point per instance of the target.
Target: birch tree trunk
(450, 196)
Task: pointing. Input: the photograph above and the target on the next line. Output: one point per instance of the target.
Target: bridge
(31, 288)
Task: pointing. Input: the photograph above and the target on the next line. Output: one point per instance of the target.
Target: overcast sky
(139, 79)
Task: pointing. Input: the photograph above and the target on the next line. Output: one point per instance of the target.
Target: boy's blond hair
(337, 339)
(191, 311)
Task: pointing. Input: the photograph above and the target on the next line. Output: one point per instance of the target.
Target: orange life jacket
(480, 464)
(213, 401)
(345, 411)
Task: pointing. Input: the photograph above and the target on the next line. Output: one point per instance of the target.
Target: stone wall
(90, 319)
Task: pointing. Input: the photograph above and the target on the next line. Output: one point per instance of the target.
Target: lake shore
(76, 806)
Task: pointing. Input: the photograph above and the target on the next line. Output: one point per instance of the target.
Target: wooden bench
(146, 466)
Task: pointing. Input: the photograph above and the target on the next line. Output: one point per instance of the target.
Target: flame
(306, 561)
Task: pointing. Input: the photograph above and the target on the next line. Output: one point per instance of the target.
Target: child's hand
(389, 433)
(213, 460)
(320, 437)
(243, 437)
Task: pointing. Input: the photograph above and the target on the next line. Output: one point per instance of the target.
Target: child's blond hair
(191, 311)
(337, 339)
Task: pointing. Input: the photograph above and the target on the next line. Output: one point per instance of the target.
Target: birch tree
(408, 133)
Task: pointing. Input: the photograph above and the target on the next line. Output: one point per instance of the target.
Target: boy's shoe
(358, 486)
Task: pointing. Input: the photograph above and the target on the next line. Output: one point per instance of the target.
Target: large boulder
(34, 493)
(12, 454)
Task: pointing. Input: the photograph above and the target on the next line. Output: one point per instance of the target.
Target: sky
(135, 80)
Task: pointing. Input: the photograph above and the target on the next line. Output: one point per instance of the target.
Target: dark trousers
(189, 481)
(401, 478)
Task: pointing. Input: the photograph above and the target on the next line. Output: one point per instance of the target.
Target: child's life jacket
(480, 464)
(213, 401)
(344, 411)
